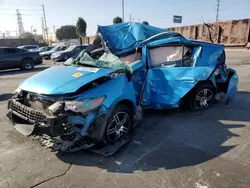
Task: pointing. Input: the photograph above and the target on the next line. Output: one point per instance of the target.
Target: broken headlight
(18, 92)
(78, 106)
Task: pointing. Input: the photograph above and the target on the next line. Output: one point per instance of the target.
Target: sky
(158, 13)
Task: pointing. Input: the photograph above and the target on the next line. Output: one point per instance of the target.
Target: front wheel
(27, 64)
(201, 98)
(118, 126)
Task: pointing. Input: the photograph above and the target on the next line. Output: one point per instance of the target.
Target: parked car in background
(69, 52)
(28, 47)
(18, 58)
(42, 49)
(47, 54)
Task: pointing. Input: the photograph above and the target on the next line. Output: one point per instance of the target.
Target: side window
(171, 56)
(1, 51)
(20, 50)
(9, 51)
(130, 58)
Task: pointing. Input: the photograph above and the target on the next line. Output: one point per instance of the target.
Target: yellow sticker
(77, 75)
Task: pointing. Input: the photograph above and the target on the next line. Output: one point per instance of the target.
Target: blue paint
(166, 86)
(233, 85)
(127, 36)
(60, 80)
(115, 90)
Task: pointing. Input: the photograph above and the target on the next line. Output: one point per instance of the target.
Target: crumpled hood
(62, 79)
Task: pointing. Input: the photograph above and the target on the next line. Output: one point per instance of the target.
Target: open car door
(172, 74)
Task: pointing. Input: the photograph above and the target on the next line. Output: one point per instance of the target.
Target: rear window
(171, 56)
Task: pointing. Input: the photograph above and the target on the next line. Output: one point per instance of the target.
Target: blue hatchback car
(99, 100)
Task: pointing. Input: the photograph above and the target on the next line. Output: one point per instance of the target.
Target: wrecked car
(98, 100)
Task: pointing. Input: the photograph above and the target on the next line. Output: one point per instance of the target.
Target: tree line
(74, 31)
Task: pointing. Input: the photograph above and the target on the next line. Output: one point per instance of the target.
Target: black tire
(115, 132)
(27, 64)
(201, 97)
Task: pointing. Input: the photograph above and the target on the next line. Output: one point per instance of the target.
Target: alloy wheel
(28, 64)
(204, 98)
(118, 127)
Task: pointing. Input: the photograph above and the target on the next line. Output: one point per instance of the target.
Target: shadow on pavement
(172, 139)
(18, 71)
(5, 96)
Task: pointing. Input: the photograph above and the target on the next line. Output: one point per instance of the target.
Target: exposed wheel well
(129, 104)
(203, 82)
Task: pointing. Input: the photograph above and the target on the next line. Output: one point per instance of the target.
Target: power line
(217, 10)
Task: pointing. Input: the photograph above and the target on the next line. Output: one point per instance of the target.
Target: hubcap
(118, 126)
(28, 64)
(204, 99)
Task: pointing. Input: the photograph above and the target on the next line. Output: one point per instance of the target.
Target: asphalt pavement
(170, 148)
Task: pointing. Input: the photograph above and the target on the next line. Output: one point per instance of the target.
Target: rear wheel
(202, 97)
(27, 64)
(119, 125)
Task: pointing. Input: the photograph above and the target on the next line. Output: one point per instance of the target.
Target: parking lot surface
(170, 148)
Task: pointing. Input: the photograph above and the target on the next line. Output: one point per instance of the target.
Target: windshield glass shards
(107, 60)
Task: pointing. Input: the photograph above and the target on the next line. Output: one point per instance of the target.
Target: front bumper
(29, 121)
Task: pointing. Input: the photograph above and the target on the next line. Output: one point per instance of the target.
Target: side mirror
(137, 65)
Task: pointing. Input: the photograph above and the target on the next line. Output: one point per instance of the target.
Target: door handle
(188, 79)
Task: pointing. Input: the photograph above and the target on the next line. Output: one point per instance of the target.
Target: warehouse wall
(234, 32)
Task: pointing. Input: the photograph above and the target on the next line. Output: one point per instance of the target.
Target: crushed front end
(59, 122)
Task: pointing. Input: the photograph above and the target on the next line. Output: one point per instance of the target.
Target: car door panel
(166, 86)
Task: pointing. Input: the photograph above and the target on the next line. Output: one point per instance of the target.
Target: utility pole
(19, 23)
(31, 29)
(45, 23)
(122, 10)
(217, 10)
(43, 28)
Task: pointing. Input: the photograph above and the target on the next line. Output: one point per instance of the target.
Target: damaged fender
(233, 85)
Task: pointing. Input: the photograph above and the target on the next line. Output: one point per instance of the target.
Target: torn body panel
(171, 84)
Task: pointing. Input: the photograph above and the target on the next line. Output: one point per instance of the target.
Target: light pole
(31, 27)
(122, 10)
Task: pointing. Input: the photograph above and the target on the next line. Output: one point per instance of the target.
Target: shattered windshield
(107, 60)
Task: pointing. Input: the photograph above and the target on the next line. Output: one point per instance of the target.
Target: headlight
(57, 55)
(217, 72)
(18, 91)
(83, 106)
